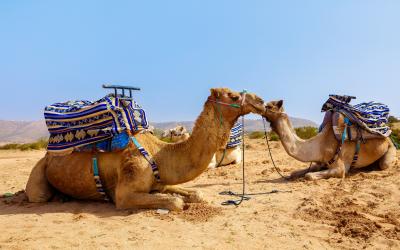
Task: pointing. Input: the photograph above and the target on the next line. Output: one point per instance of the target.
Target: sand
(364, 212)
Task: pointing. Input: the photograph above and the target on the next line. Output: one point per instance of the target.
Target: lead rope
(272, 159)
(242, 196)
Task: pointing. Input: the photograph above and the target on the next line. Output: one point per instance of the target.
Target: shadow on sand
(18, 204)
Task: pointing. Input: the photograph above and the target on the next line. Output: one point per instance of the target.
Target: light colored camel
(127, 176)
(228, 156)
(232, 156)
(322, 148)
(177, 134)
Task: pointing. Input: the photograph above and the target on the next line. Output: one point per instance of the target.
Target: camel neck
(303, 150)
(184, 161)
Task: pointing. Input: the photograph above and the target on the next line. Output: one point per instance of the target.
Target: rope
(242, 196)
(272, 159)
(220, 162)
(270, 154)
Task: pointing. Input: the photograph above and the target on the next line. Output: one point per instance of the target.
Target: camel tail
(38, 188)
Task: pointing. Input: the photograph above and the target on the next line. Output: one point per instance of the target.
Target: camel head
(233, 104)
(274, 110)
(176, 134)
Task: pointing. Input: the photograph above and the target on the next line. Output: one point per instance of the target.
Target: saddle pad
(116, 143)
(77, 123)
(235, 138)
(371, 116)
(353, 134)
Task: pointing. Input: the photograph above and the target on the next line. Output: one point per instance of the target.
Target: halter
(232, 105)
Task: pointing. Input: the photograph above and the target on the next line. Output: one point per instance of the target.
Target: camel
(126, 175)
(228, 156)
(322, 148)
(177, 134)
(232, 156)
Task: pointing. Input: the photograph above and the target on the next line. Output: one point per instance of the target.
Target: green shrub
(256, 135)
(273, 136)
(393, 119)
(396, 137)
(306, 132)
(158, 132)
(40, 144)
(166, 139)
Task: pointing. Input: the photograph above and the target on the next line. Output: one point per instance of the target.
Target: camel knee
(388, 158)
(38, 188)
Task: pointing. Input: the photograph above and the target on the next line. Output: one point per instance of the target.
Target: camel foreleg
(313, 168)
(338, 170)
(125, 198)
(190, 195)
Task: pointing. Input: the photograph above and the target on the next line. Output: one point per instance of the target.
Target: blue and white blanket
(235, 138)
(371, 116)
(77, 123)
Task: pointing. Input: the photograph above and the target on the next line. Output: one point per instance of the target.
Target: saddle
(358, 123)
(75, 124)
(353, 131)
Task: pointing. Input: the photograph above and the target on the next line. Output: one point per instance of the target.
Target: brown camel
(322, 148)
(127, 177)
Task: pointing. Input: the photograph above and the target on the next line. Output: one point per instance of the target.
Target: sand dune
(362, 213)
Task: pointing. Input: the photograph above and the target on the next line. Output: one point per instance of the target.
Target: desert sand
(362, 212)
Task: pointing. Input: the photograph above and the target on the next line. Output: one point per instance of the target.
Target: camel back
(75, 124)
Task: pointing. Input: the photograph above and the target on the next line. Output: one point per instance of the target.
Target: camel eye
(235, 98)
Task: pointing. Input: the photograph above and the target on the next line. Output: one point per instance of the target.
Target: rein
(272, 159)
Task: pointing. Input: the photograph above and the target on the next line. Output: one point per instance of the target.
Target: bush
(158, 132)
(306, 132)
(272, 136)
(40, 144)
(396, 137)
(257, 135)
(393, 119)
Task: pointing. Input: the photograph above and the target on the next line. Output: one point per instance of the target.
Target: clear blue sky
(299, 51)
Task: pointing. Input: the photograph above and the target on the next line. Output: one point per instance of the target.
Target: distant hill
(250, 125)
(22, 131)
(29, 131)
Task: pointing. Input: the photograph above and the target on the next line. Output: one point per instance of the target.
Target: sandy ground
(364, 212)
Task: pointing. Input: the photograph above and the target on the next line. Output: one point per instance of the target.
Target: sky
(175, 51)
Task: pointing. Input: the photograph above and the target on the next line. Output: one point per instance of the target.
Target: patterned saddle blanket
(75, 124)
(369, 116)
(235, 138)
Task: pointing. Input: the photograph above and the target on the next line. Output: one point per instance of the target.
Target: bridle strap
(233, 105)
(243, 93)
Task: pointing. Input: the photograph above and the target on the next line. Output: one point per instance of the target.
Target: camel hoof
(177, 204)
(310, 177)
(195, 197)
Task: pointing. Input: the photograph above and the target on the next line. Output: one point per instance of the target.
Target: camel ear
(279, 104)
(215, 93)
